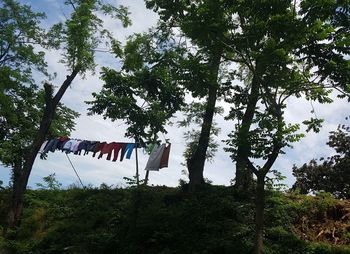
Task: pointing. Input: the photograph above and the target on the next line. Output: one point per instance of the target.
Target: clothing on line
(165, 157)
(113, 147)
(155, 158)
(76, 146)
(129, 148)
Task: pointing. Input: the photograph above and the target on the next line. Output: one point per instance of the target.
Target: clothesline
(159, 154)
(76, 146)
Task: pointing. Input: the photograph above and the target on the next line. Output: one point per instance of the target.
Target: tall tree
(205, 24)
(283, 53)
(77, 37)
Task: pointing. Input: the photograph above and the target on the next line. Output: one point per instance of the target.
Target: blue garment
(128, 149)
(49, 146)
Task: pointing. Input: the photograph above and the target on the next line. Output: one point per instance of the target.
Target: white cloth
(43, 146)
(155, 157)
(75, 146)
(70, 144)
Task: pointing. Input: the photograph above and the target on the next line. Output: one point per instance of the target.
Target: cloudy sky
(96, 171)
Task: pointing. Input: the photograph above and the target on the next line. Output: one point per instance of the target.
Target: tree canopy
(22, 101)
(331, 174)
(30, 113)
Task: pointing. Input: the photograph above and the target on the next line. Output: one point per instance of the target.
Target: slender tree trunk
(195, 163)
(259, 213)
(16, 201)
(244, 177)
(20, 180)
(21, 175)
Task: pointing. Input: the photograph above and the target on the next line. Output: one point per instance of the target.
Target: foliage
(50, 183)
(162, 220)
(275, 182)
(193, 117)
(21, 100)
(281, 60)
(26, 112)
(333, 175)
(84, 31)
(132, 182)
(145, 92)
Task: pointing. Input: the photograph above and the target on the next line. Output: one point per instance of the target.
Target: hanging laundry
(76, 146)
(98, 148)
(129, 148)
(165, 157)
(62, 142)
(71, 145)
(122, 153)
(108, 149)
(82, 146)
(150, 148)
(48, 147)
(154, 159)
(90, 146)
(41, 150)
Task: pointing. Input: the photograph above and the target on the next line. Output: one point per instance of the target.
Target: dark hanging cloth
(91, 147)
(114, 148)
(62, 142)
(165, 157)
(99, 148)
(49, 147)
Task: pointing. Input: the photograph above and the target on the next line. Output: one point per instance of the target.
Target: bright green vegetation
(163, 220)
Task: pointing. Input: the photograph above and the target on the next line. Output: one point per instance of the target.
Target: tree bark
(21, 175)
(259, 213)
(244, 177)
(195, 163)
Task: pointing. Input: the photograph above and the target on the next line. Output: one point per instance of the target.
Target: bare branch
(72, 4)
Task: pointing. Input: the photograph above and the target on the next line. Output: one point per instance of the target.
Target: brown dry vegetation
(331, 225)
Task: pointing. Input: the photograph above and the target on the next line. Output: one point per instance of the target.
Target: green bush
(153, 220)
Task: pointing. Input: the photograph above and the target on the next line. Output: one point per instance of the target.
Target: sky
(97, 171)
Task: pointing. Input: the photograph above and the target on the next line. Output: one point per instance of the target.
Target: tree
(204, 23)
(193, 117)
(333, 174)
(24, 133)
(282, 54)
(144, 93)
(158, 68)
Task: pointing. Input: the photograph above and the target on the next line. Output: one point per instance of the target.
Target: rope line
(313, 109)
(75, 171)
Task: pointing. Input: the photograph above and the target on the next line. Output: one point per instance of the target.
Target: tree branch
(72, 4)
(56, 99)
(5, 52)
(252, 167)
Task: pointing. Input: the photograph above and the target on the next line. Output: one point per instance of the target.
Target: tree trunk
(259, 213)
(195, 163)
(244, 177)
(16, 202)
(21, 175)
